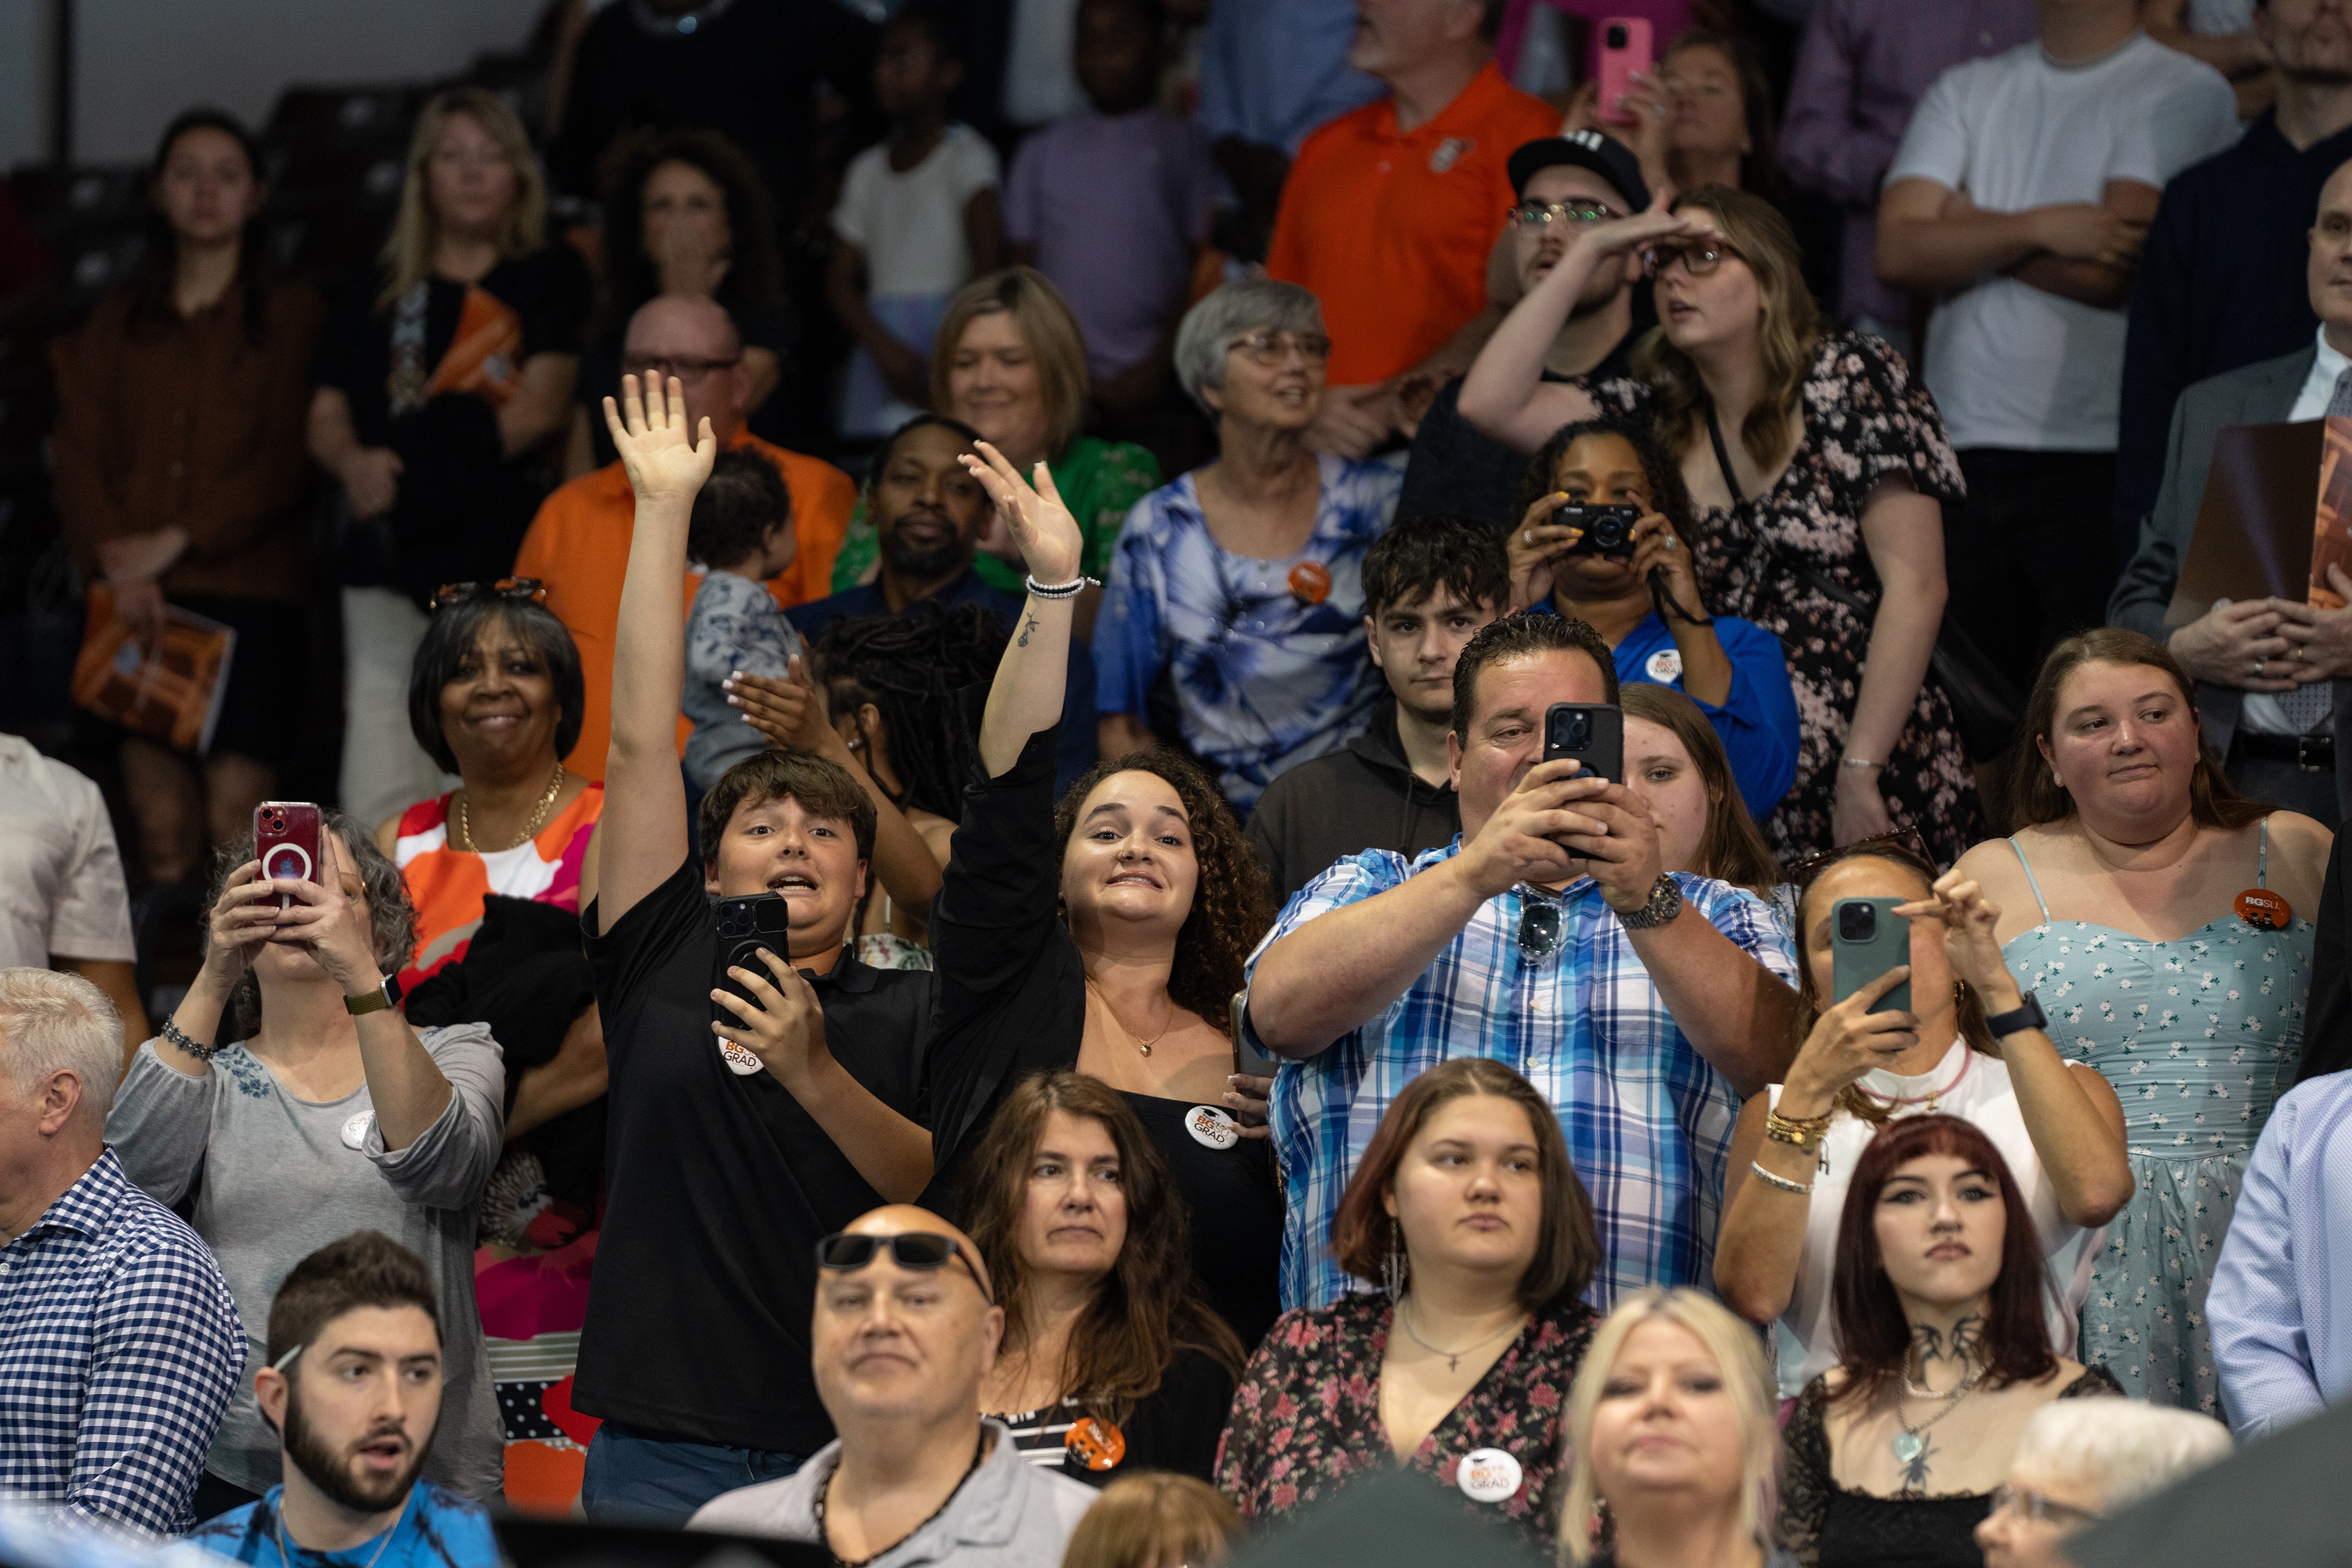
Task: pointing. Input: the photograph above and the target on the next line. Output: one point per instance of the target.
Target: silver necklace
(1911, 1442)
(277, 1516)
(1453, 1358)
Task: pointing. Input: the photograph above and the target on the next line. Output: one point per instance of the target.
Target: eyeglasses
(1267, 350)
(2040, 1509)
(1802, 871)
(1539, 927)
(845, 1251)
(686, 367)
(1698, 261)
(530, 588)
(1537, 215)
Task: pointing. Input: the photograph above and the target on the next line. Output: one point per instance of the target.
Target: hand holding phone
(1624, 53)
(1592, 734)
(1867, 938)
(286, 843)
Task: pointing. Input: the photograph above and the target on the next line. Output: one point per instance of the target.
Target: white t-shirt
(2011, 366)
(1977, 1089)
(910, 226)
(61, 890)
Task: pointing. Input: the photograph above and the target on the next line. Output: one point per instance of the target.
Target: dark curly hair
(755, 275)
(1517, 636)
(1150, 1305)
(1668, 494)
(910, 667)
(1232, 904)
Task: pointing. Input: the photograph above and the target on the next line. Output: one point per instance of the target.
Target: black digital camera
(1608, 529)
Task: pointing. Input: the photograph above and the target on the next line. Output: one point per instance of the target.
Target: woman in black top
(1111, 1361)
(1106, 936)
(1893, 1456)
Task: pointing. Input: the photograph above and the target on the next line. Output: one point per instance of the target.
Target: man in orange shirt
(579, 544)
(1392, 209)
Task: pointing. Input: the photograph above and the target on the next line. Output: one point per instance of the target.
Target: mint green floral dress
(2200, 1037)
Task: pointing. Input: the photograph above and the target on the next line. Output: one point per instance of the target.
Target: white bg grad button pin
(1665, 667)
(1488, 1474)
(739, 1062)
(1211, 1128)
(355, 1130)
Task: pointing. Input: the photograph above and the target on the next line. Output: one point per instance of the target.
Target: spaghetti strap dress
(2200, 1037)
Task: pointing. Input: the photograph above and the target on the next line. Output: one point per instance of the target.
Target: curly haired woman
(1106, 935)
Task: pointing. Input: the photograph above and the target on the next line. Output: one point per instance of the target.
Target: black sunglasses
(849, 1250)
(1539, 927)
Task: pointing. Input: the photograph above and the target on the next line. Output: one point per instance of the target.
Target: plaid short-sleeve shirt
(1647, 1119)
(119, 1346)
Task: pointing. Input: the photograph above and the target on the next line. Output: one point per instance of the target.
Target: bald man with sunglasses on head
(906, 1328)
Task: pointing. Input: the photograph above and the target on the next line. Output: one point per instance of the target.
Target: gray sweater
(277, 1178)
(734, 626)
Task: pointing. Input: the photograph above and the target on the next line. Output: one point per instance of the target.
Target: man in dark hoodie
(1430, 582)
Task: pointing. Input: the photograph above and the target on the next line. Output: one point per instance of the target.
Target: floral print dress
(1306, 1418)
(1865, 420)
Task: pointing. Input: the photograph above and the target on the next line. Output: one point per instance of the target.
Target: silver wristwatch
(1665, 903)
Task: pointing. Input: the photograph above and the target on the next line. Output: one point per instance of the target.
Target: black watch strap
(2026, 1015)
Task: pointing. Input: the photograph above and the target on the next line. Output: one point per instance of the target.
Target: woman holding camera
(1966, 1048)
(1632, 582)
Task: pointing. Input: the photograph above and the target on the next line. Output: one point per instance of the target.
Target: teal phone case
(1854, 964)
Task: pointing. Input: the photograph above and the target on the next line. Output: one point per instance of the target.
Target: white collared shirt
(61, 889)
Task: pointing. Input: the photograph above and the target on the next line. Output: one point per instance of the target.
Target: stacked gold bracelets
(1805, 1132)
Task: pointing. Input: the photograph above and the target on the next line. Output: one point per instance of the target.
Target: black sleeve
(555, 317)
(1805, 1482)
(1178, 1427)
(625, 958)
(1434, 464)
(2328, 1017)
(342, 342)
(1268, 827)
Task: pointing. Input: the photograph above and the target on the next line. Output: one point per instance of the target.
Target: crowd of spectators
(949, 923)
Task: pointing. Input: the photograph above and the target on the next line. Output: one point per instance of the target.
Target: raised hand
(785, 1030)
(665, 462)
(241, 922)
(1535, 549)
(329, 923)
(790, 712)
(1967, 920)
(1848, 1040)
(1657, 547)
(1050, 542)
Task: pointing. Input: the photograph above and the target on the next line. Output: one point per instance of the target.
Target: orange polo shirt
(1391, 229)
(579, 546)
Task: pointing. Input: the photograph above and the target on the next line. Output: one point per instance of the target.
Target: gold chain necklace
(538, 817)
(1143, 1046)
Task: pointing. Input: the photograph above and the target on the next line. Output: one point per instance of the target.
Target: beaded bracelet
(1070, 590)
(1800, 1133)
(177, 1038)
(1774, 1179)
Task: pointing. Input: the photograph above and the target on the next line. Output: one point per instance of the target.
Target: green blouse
(1101, 481)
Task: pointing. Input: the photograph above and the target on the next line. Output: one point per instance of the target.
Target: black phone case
(1601, 754)
(745, 925)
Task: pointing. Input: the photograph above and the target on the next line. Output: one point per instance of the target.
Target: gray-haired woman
(331, 1115)
(1242, 579)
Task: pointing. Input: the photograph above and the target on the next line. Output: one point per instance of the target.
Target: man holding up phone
(1643, 1002)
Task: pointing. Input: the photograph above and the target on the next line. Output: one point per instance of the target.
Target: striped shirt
(119, 1346)
(1647, 1119)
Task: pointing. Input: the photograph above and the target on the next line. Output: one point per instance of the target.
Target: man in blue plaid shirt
(1644, 1006)
(120, 1342)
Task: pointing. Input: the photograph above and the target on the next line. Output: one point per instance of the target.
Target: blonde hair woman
(439, 384)
(1672, 1441)
(1011, 362)
(1817, 468)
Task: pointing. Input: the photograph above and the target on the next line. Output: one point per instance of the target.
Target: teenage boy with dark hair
(741, 1131)
(1430, 584)
(353, 1386)
(740, 535)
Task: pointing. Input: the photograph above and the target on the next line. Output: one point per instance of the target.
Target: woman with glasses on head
(1479, 1240)
(1966, 1045)
(1895, 1453)
(445, 387)
(1816, 469)
(1241, 581)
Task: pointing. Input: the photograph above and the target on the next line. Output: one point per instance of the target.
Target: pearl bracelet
(1070, 590)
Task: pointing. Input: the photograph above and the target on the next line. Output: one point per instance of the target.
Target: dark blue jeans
(636, 1476)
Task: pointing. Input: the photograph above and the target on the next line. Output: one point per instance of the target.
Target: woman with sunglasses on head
(1895, 1452)
(1478, 1238)
(2155, 912)
(1241, 581)
(1967, 1046)
(1816, 469)
(1638, 590)
(1112, 1362)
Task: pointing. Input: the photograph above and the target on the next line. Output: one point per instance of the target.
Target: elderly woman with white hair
(1241, 581)
(2082, 1460)
(1673, 1425)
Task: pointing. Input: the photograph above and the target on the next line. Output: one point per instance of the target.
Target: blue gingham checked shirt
(1648, 1121)
(119, 1346)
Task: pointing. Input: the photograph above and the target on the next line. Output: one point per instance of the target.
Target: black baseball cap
(1604, 155)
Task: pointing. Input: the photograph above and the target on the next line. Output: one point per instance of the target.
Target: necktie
(2307, 707)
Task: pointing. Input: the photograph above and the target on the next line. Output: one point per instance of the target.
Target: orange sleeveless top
(447, 885)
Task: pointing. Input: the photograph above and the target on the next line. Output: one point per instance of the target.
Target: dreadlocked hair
(909, 667)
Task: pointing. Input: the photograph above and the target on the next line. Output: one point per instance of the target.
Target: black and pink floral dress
(1306, 1418)
(1865, 420)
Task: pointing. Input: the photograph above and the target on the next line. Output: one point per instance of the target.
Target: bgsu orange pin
(1096, 1444)
(2263, 909)
(1310, 582)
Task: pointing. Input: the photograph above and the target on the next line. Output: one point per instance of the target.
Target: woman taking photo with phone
(1640, 595)
(1967, 1046)
(313, 1111)
(1112, 1362)
(1106, 935)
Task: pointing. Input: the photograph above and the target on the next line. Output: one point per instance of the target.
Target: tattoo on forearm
(1029, 626)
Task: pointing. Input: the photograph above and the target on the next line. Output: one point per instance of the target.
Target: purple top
(1116, 205)
(1861, 71)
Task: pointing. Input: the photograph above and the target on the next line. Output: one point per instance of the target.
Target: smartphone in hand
(1593, 734)
(286, 842)
(1867, 938)
(1625, 51)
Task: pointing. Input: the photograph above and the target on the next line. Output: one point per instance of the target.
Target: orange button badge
(2263, 909)
(1096, 1444)
(1310, 582)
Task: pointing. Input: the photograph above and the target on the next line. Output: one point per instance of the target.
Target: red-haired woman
(1465, 1210)
(1893, 1455)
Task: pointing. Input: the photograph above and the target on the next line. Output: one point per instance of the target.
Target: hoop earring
(1960, 993)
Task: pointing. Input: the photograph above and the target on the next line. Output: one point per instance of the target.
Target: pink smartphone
(1625, 51)
(286, 842)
